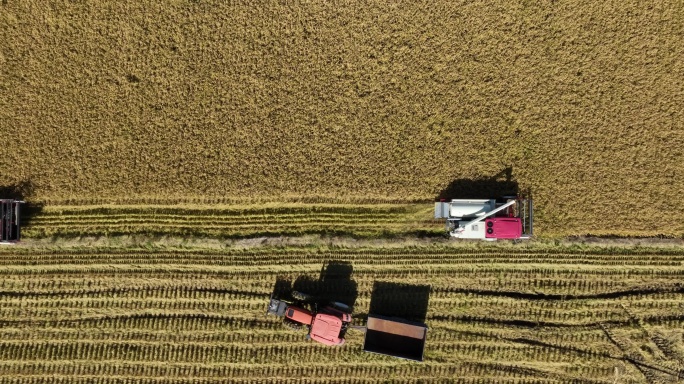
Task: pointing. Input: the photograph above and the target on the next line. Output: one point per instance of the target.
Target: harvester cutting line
(504, 218)
(327, 323)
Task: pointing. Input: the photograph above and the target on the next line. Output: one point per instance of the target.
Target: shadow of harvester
(499, 185)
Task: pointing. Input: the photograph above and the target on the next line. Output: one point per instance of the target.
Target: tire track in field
(646, 291)
(193, 315)
(532, 324)
(187, 291)
(238, 322)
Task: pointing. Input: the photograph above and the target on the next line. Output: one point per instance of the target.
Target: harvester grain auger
(327, 323)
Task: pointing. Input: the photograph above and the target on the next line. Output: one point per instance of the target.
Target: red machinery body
(326, 326)
(326, 329)
(503, 228)
(299, 315)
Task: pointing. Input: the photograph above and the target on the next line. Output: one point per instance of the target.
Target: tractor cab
(10, 225)
(326, 329)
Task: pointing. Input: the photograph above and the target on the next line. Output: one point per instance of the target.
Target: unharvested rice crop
(495, 315)
(350, 101)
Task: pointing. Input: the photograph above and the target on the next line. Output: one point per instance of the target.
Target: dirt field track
(351, 100)
(496, 315)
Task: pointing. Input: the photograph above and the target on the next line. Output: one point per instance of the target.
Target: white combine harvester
(487, 219)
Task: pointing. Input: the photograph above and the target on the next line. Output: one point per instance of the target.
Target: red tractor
(326, 323)
(390, 336)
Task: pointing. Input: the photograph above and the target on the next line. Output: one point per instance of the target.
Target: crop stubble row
(208, 319)
(231, 221)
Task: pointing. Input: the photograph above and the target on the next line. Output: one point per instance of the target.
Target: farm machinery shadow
(406, 301)
(496, 186)
(23, 190)
(333, 284)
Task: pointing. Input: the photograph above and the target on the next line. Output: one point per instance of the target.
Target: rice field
(234, 221)
(350, 102)
(215, 122)
(495, 315)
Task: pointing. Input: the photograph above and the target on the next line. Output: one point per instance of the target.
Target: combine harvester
(10, 226)
(327, 323)
(487, 219)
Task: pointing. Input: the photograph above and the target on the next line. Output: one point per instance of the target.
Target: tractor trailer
(328, 322)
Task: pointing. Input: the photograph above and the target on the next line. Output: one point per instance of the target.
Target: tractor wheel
(293, 324)
(301, 296)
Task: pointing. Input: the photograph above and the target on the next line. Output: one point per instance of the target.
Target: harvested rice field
(495, 315)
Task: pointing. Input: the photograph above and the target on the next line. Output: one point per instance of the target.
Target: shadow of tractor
(333, 284)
